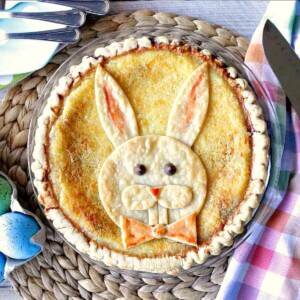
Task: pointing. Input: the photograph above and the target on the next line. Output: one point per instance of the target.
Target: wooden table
(239, 16)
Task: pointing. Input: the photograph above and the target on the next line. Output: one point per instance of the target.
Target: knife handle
(94, 7)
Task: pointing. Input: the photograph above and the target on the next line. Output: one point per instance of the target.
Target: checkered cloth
(267, 264)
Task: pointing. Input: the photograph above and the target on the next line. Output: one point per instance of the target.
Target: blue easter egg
(15, 234)
(5, 195)
(2, 265)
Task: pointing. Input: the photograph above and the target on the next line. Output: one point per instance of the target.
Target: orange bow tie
(135, 232)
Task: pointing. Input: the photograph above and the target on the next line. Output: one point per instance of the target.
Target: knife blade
(284, 62)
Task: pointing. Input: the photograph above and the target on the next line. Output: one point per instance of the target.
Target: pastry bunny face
(152, 179)
(155, 196)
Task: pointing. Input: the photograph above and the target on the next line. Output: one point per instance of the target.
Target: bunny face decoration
(153, 180)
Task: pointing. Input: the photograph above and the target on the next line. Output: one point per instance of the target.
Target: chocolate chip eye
(170, 169)
(140, 169)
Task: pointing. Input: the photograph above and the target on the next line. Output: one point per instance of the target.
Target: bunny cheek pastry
(153, 186)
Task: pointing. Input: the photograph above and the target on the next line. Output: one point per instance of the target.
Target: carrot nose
(155, 191)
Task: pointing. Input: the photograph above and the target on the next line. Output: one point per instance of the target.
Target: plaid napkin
(267, 264)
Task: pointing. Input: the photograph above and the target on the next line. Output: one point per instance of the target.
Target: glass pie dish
(193, 39)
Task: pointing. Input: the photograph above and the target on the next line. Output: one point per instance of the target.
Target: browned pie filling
(150, 79)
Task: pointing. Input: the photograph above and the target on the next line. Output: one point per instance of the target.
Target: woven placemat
(59, 272)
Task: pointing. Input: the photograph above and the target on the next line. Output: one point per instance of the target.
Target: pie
(150, 155)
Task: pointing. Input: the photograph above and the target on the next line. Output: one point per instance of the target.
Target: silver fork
(72, 17)
(63, 35)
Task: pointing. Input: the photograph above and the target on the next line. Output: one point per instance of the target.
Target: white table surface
(239, 16)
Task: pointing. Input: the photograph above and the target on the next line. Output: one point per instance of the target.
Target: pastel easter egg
(15, 234)
(5, 195)
(2, 265)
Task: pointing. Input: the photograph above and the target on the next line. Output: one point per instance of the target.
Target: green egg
(5, 195)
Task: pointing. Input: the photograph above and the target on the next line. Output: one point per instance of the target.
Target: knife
(284, 62)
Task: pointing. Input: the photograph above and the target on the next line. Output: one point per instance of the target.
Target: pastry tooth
(163, 215)
(153, 215)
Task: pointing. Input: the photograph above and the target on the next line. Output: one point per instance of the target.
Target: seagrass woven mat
(59, 272)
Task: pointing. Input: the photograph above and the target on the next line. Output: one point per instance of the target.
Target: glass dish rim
(106, 39)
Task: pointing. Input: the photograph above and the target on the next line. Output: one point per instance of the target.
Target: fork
(63, 35)
(98, 7)
(73, 17)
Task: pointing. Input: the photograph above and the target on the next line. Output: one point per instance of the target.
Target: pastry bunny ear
(115, 112)
(190, 107)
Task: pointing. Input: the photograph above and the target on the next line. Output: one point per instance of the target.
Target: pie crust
(168, 263)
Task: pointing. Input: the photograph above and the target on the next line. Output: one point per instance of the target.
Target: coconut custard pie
(151, 155)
